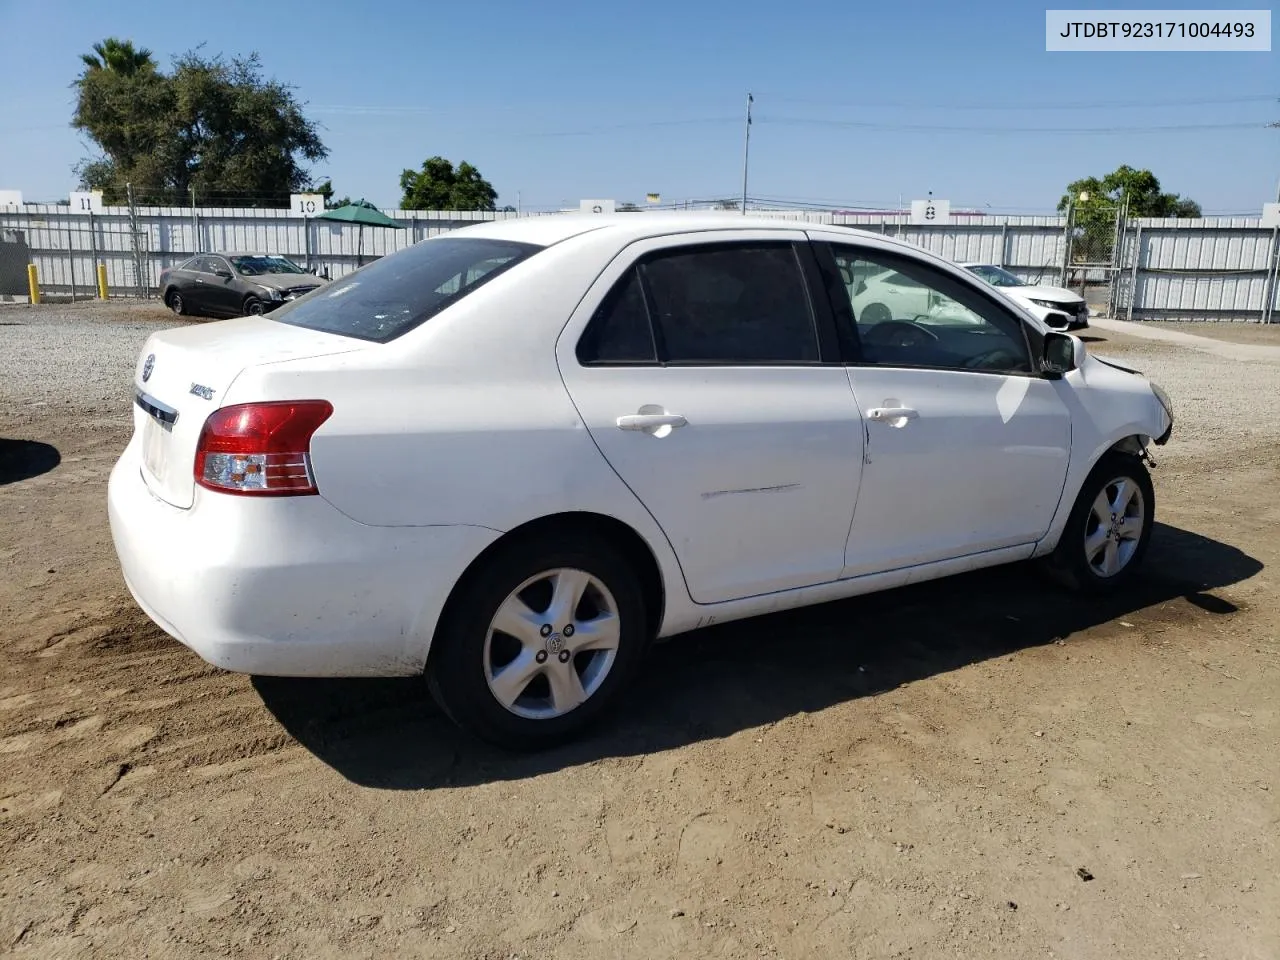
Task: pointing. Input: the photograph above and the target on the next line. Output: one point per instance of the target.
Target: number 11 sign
(88, 201)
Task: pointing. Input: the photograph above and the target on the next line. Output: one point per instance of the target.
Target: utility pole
(746, 154)
(1275, 126)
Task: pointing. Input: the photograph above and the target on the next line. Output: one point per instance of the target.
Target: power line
(942, 128)
(1039, 107)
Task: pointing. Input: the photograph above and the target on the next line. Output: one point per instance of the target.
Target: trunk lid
(182, 376)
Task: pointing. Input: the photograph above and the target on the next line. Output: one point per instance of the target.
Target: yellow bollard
(102, 281)
(33, 283)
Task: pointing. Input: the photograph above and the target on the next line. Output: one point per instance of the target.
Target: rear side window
(619, 330)
(391, 296)
(739, 304)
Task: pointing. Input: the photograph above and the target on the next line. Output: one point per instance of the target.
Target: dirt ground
(1231, 332)
(978, 767)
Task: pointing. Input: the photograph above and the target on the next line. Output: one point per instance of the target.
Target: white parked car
(511, 456)
(1058, 299)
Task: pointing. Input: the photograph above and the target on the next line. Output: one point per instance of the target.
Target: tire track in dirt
(115, 697)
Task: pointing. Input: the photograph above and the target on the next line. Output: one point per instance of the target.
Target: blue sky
(560, 100)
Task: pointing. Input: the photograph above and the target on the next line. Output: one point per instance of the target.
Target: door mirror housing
(224, 274)
(1062, 354)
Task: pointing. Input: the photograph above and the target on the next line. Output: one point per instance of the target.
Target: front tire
(1107, 534)
(539, 642)
(253, 307)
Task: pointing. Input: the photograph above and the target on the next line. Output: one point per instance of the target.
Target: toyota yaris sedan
(512, 456)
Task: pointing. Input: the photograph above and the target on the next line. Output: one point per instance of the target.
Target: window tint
(731, 304)
(619, 331)
(394, 294)
(933, 320)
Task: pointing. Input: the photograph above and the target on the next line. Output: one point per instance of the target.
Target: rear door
(708, 377)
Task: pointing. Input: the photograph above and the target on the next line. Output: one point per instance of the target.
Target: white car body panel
(481, 420)
(980, 467)
(740, 523)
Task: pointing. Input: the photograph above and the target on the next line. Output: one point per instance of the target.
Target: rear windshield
(391, 296)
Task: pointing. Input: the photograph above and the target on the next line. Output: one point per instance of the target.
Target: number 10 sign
(306, 204)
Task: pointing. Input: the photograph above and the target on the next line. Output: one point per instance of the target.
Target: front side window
(394, 294)
(736, 304)
(931, 320)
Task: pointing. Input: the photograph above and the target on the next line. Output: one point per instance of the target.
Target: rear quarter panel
(465, 420)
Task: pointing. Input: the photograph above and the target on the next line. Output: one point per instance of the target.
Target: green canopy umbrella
(361, 212)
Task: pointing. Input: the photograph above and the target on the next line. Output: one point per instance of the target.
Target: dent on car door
(967, 447)
(715, 393)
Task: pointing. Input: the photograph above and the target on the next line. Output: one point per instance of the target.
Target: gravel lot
(974, 767)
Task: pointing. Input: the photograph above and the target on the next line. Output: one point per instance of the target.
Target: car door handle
(892, 413)
(651, 421)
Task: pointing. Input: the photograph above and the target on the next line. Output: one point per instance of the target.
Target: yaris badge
(147, 366)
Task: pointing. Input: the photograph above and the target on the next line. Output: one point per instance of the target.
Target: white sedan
(511, 456)
(1058, 299)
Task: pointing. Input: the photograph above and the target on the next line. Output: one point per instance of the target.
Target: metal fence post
(1273, 279)
(1133, 275)
(93, 250)
(1066, 244)
(71, 258)
(1004, 243)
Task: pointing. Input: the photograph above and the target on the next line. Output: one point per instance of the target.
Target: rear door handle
(651, 421)
(892, 413)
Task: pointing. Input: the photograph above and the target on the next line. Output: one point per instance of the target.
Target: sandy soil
(979, 767)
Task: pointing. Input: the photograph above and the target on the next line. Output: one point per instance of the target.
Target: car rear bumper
(285, 586)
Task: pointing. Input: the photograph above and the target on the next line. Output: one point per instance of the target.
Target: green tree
(119, 56)
(1140, 188)
(326, 190)
(214, 125)
(1097, 202)
(438, 186)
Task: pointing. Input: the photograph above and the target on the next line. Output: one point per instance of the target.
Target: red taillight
(262, 449)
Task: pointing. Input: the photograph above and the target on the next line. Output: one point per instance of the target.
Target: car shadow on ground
(718, 681)
(24, 459)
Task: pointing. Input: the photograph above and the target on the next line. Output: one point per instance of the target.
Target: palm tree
(119, 56)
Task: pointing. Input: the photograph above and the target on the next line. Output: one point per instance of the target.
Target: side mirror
(224, 274)
(1062, 354)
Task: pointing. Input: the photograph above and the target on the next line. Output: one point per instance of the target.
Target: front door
(966, 446)
(714, 390)
(223, 292)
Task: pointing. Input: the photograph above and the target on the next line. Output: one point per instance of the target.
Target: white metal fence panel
(1208, 268)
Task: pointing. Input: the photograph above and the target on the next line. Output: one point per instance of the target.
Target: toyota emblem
(148, 366)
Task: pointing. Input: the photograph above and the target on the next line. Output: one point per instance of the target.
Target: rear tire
(559, 664)
(173, 300)
(1107, 533)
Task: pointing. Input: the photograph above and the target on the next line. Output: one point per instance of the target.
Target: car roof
(553, 228)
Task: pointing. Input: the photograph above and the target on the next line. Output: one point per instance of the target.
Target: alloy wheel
(551, 643)
(1114, 527)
